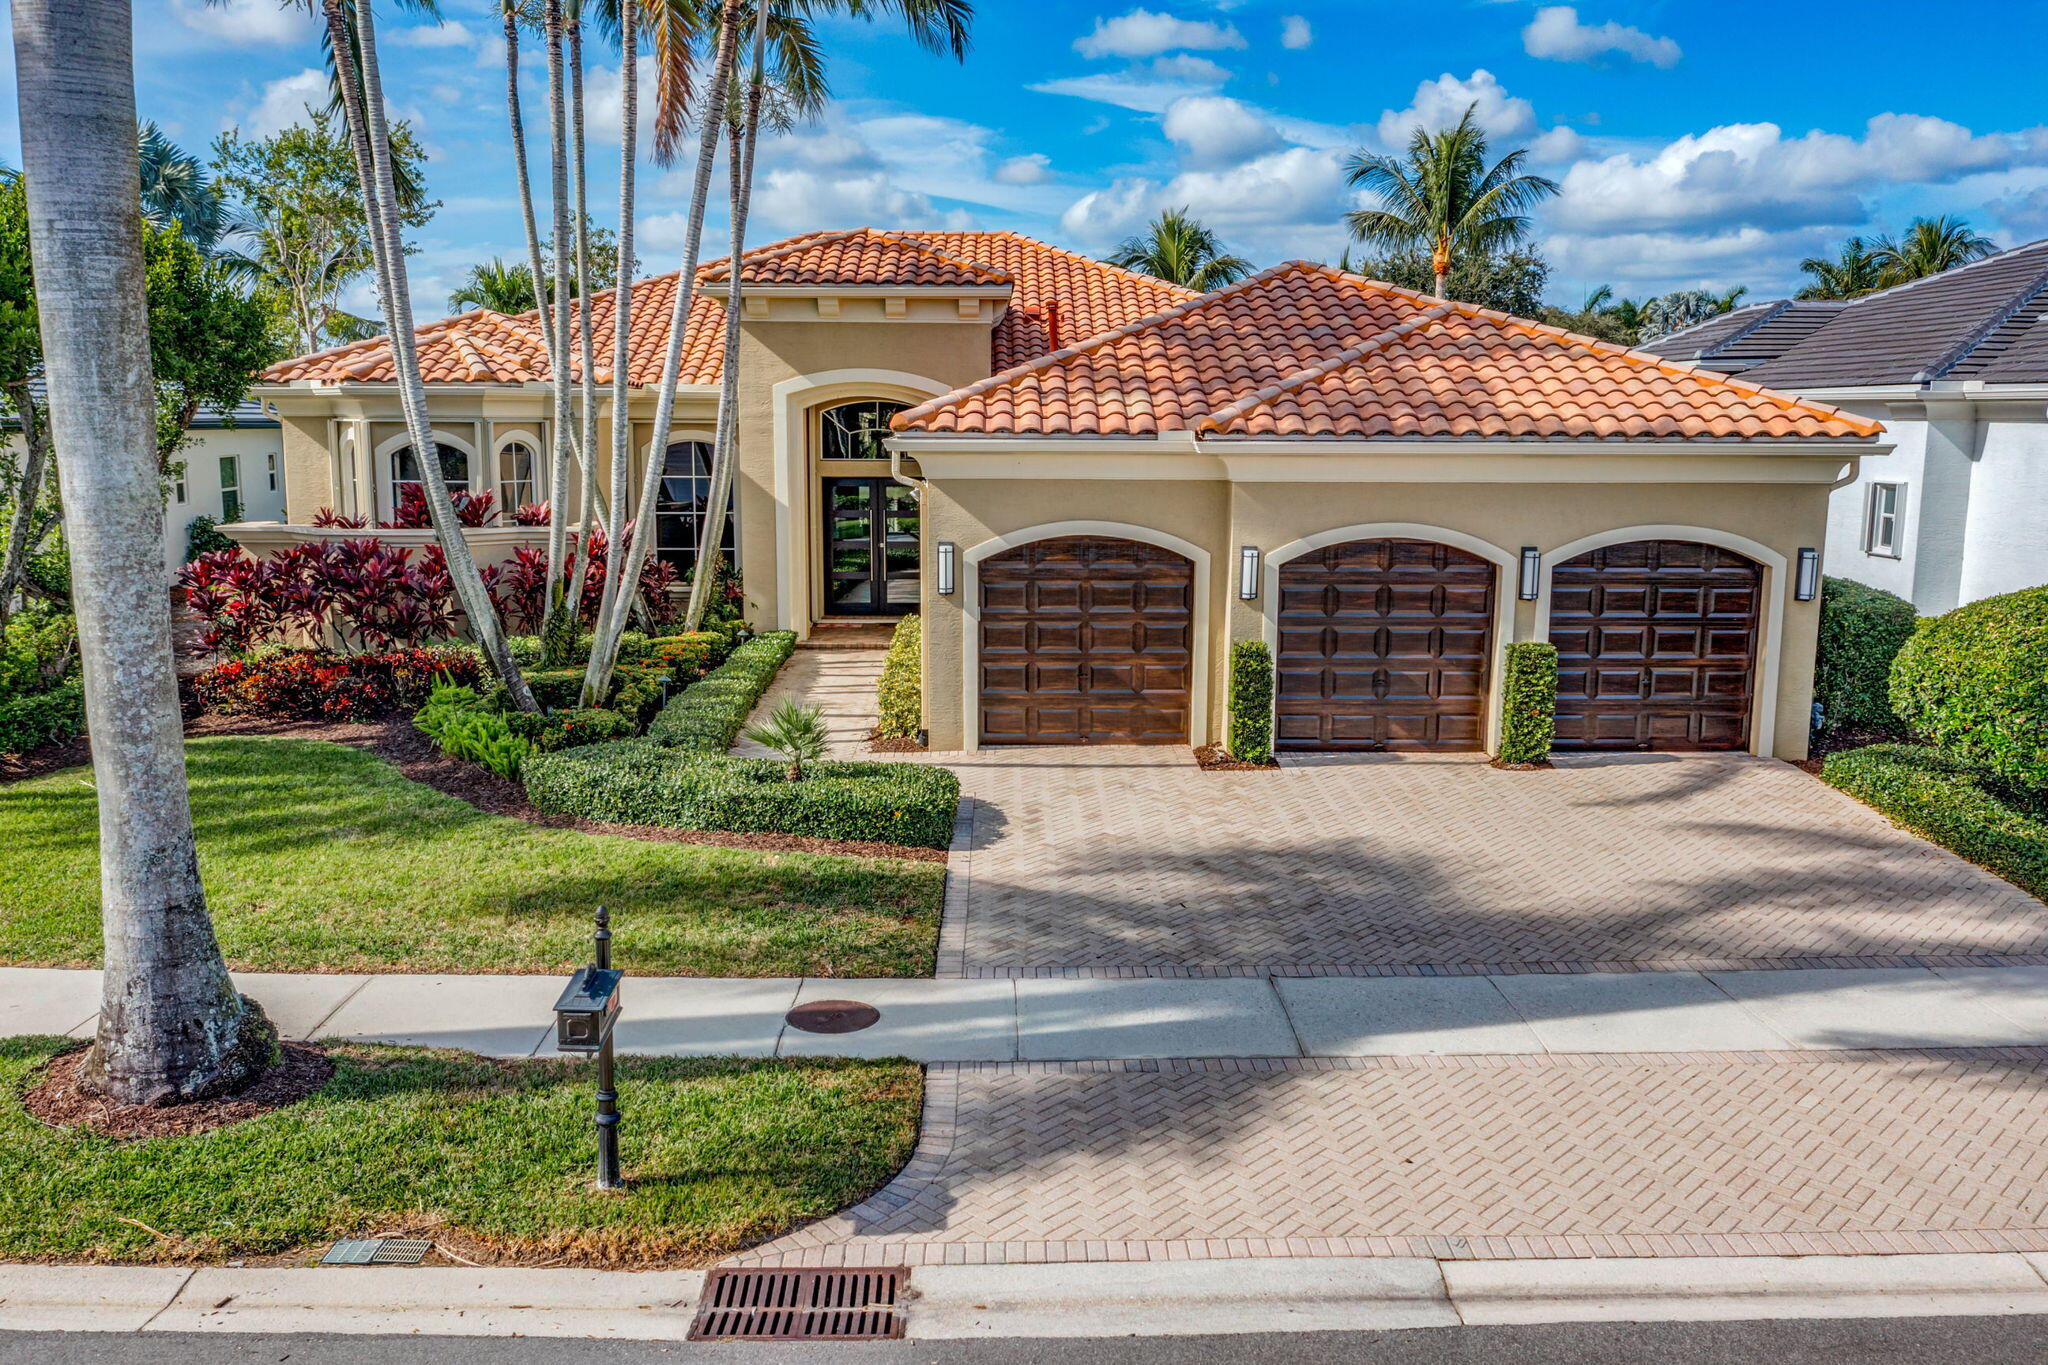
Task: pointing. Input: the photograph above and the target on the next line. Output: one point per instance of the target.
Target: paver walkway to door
(1133, 861)
(841, 682)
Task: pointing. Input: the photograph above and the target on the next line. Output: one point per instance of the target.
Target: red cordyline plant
(471, 509)
(533, 514)
(374, 596)
(519, 587)
(328, 517)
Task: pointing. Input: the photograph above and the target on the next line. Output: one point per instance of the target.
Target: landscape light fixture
(1248, 573)
(948, 555)
(1807, 587)
(1531, 575)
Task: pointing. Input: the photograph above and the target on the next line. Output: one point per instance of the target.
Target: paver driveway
(1134, 861)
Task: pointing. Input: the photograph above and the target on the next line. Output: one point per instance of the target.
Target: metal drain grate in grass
(378, 1251)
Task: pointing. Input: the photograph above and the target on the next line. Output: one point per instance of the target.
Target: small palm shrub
(1251, 702)
(1528, 709)
(900, 690)
(796, 732)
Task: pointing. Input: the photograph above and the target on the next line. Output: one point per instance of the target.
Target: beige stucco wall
(1220, 515)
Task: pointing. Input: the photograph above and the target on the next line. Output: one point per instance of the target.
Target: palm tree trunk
(171, 1025)
(739, 158)
(586, 407)
(563, 418)
(525, 183)
(381, 199)
(624, 575)
(35, 460)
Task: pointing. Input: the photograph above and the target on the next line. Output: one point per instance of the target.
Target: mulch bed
(1214, 758)
(893, 744)
(57, 1101)
(1520, 767)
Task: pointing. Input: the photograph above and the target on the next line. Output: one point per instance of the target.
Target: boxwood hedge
(1251, 702)
(706, 717)
(899, 692)
(1528, 707)
(1975, 683)
(1861, 631)
(642, 782)
(42, 718)
(1938, 796)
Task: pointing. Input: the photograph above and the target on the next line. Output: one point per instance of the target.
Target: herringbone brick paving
(1132, 861)
(1659, 1154)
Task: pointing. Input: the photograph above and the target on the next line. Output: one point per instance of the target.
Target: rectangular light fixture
(948, 556)
(1248, 573)
(1531, 575)
(1808, 585)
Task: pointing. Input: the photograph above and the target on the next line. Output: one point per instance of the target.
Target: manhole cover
(833, 1016)
(801, 1305)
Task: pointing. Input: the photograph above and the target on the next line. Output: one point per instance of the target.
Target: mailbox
(588, 1009)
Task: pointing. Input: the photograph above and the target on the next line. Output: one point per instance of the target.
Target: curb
(1203, 1298)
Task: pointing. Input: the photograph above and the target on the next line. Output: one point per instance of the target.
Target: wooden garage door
(1086, 640)
(1656, 646)
(1384, 644)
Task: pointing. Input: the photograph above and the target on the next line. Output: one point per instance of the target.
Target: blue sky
(1697, 144)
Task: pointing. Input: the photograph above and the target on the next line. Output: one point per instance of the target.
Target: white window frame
(506, 506)
(1882, 525)
(231, 487)
(270, 468)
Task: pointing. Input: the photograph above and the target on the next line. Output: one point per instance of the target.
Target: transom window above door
(405, 469)
(855, 431)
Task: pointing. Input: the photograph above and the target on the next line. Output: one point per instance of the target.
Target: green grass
(320, 858)
(718, 1153)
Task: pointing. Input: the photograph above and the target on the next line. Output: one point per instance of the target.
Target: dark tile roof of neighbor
(1986, 321)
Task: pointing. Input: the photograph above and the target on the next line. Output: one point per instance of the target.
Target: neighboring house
(233, 471)
(1956, 367)
(1090, 482)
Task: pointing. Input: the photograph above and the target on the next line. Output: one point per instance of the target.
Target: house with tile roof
(1956, 368)
(1090, 482)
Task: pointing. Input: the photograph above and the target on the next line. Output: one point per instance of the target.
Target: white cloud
(246, 23)
(284, 102)
(1295, 33)
(1556, 34)
(447, 33)
(1440, 103)
(1142, 33)
(1653, 262)
(1033, 168)
(1147, 89)
(1283, 203)
(792, 199)
(604, 101)
(1215, 130)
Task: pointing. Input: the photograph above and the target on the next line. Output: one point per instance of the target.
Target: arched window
(855, 431)
(405, 469)
(518, 476)
(685, 497)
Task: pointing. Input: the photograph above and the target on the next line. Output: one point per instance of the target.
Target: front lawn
(491, 1159)
(321, 858)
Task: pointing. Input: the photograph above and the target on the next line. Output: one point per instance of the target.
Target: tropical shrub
(1975, 682)
(687, 657)
(1250, 738)
(37, 652)
(320, 684)
(457, 719)
(202, 539)
(795, 731)
(33, 719)
(570, 728)
(372, 595)
(1528, 706)
(707, 715)
(519, 586)
(1940, 797)
(640, 782)
(899, 692)
(1861, 631)
(471, 509)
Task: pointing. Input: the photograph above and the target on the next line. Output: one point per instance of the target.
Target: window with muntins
(1881, 520)
(855, 431)
(685, 498)
(230, 488)
(405, 469)
(518, 484)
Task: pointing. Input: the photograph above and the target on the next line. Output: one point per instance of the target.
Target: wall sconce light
(1531, 575)
(1807, 587)
(948, 553)
(1248, 573)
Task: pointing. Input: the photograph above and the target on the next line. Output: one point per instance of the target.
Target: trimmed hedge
(899, 692)
(1528, 706)
(42, 718)
(707, 716)
(1975, 683)
(1938, 796)
(1861, 631)
(572, 727)
(641, 782)
(1251, 702)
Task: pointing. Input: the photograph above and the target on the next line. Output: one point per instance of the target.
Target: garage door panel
(1085, 640)
(1656, 646)
(1384, 644)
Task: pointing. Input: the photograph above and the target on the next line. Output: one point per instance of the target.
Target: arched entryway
(1384, 644)
(1656, 646)
(1085, 640)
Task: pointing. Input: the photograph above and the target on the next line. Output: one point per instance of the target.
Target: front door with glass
(871, 547)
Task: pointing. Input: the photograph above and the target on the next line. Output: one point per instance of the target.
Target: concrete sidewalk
(952, 1302)
(1081, 1019)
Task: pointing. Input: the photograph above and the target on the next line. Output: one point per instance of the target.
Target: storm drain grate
(378, 1251)
(801, 1305)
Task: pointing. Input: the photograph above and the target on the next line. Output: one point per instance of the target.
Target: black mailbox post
(584, 1019)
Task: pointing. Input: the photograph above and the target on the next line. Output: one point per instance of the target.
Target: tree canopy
(1177, 248)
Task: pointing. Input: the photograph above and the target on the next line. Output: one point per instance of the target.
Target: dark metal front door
(871, 547)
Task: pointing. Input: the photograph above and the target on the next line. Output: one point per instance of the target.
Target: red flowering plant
(310, 684)
(471, 509)
(328, 517)
(532, 514)
(375, 596)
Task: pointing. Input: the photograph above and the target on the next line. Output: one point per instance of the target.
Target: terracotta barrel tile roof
(1302, 350)
(861, 256)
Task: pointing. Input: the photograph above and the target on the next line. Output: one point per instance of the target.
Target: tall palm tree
(1175, 247)
(176, 189)
(495, 286)
(1930, 246)
(1444, 199)
(171, 1025)
(1851, 274)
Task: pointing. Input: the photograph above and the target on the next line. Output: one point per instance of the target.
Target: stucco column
(1948, 466)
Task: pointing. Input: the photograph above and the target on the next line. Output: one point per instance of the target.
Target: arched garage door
(1384, 644)
(1086, 640)
(1656, 646)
